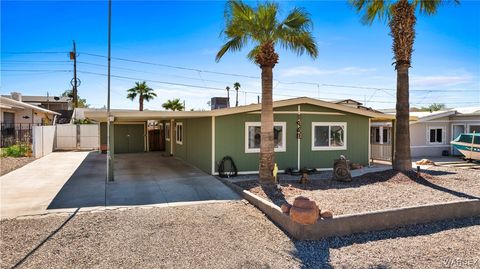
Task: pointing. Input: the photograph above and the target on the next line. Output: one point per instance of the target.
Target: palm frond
(234, 44)
(372, 9)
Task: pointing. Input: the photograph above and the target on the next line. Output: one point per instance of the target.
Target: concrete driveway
(65, 181)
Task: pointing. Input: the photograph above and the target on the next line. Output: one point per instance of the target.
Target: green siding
(357, 141)
(197, 143)
(230, 139)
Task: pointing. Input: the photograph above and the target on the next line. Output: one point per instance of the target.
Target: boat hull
(467, 151)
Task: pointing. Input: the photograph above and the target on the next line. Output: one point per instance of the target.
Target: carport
(147, 178)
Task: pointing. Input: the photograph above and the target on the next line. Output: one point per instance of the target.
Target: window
(167, 131)
(329, 136)
(435, 135)
(252, 136)
(179, 133)
(376, 137)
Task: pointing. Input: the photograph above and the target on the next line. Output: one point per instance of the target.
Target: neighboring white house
(432, 133)
(17, 112)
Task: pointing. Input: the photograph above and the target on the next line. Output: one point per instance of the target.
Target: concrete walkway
(78, 181)
(30, 189)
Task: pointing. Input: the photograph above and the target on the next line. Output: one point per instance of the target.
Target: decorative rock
(304, 202)
(304, 211)
(326, 214)
(425, 162)
(341, 170)
(286, 208)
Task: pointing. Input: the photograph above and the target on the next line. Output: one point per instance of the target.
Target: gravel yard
(226, 235)
(9, 164)
(377, 191)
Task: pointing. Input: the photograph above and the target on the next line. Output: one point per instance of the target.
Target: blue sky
(446, 61)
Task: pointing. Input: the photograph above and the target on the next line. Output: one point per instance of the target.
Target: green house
(308, 133)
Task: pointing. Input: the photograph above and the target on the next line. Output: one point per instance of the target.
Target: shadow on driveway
(140, 179)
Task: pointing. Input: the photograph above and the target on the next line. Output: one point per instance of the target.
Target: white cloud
(312, 71)
(431, 81)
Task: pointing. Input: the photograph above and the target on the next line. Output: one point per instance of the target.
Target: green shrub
(18, 150)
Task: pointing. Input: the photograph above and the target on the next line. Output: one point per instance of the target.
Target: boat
(468, 145)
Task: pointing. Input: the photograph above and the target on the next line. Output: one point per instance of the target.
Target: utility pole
(110, 119)
(73, 56)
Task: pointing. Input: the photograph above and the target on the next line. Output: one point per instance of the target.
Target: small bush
(18, 150)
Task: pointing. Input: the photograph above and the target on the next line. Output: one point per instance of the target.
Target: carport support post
(110, 149)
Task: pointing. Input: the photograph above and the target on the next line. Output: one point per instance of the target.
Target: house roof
(426, 115)
(132, 115)
(42, 99)
(8, 103)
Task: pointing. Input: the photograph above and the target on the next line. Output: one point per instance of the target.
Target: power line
(221, 89)
(33, 52)
(33, 61)
(33, 70)
(173, 66)
(249, 76)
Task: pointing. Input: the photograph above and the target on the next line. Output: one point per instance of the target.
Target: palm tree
(144, 93)
(237, 86)
(228, 95)
(401, 18)
(173, 105)
(260, 26)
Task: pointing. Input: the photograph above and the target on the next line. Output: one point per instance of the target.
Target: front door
(457, 130)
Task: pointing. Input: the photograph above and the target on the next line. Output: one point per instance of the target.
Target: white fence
(42, 140)
(381, 152)
(77, 136)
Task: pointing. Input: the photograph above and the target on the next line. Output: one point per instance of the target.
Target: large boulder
(304, 211)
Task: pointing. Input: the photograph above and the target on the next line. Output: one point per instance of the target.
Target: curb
(361, 222)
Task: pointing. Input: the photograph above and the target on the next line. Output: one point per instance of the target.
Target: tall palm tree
(401, 18)
(228, 96)
(143, 92)
(173, 105)
(236, 86)
(260, 26)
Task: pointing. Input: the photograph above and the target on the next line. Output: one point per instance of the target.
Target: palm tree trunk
(140, 101)
(402, 161)
(267, 156)
(236, 99)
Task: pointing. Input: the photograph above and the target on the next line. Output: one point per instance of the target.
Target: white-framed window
(381, 135)
(179, 133)
(252, 136)
(167, 131)
(436, 135)
(329, 135)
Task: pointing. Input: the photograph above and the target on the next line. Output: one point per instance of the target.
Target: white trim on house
(329, 124)
(468, 126)
(369, 141)
(431, 146)
(298, 141)
(452, 128)
(179, 134)
(282, 124)
(167, 131)
(444, 132)
(213, 145)
(302, 113)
